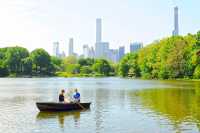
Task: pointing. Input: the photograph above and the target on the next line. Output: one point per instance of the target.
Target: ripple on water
(118, 105)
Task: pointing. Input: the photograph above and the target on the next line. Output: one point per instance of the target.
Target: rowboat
(54, 106)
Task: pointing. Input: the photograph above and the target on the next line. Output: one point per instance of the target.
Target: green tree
(3, 71)
(101, 66)
(86, 62)
(128, 66)
(41, 61)
(14, 59)
(197, 72)
(57, 63)
(85, 70)
(73, 68)
(27, 65)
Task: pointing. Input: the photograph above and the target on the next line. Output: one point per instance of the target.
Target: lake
(118, 105)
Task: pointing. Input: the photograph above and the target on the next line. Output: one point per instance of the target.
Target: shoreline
(92, 76)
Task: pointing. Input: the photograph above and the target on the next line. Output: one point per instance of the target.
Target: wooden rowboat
(53, 106)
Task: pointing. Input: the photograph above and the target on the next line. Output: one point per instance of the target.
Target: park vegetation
(71, 66)
(17, 61)
(170, 58)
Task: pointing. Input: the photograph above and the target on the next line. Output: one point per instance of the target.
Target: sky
(38, 23)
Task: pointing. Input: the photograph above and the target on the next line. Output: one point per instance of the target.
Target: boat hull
(51, 106)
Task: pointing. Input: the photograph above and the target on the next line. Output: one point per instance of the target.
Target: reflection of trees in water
(177, 105)
(100, 102)
(61, 116)
(104, 99)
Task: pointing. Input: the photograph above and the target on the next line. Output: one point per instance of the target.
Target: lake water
(118, 106)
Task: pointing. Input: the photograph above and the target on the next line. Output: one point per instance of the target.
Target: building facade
(98, 44)
(71, 47)
(86, 51)
(56, 49)
(135, 46)
(98, 30)
(121, 52)
(113, 55)
(176, 23)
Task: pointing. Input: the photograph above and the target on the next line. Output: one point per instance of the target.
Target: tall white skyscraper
(176, 24)
(71, 47)
(98, 30)
(86, 51)
(101, 48)
(98, 45)
(92, 53)
(56, 49)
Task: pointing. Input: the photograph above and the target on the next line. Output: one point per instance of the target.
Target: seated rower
(61, 96)
(76, 96)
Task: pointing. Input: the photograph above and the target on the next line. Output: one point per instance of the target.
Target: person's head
(62, 91)
(76, 90)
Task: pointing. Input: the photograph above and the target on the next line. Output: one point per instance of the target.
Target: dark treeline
(17, 61)
(169, 58)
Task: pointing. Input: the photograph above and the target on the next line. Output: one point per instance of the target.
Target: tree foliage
(172, 57)
(41, 60)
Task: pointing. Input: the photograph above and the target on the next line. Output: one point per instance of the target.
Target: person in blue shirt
(77, 96)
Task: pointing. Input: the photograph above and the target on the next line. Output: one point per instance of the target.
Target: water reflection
(178, 106)
(61, 116)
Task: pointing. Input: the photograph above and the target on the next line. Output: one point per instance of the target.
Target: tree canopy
(172, 57)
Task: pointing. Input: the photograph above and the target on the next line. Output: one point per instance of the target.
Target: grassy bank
(65, 74)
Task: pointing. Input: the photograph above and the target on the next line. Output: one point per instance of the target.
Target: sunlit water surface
(118, 106)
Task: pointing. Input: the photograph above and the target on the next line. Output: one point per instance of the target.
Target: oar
(80, 106)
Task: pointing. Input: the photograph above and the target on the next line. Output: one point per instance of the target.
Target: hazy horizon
(37, 24)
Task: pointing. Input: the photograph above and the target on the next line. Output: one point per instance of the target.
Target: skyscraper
(113, 55)
(86, 51)
(135, 46)
(100, 46)
(92, 53)
(71, 47)
(121, 52)
(98, 30)
(176, 25)
(56, 49)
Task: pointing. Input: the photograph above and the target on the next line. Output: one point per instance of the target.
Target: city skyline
(37, 24)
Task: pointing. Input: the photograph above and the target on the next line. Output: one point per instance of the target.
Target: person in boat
(61, 96)
(76, 96)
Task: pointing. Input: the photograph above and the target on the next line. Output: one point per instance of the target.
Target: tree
(128, 66)
(57, 63)
(85, 70)
(27, 65)
(3, 71)
(3, 67)
(86, 62)
(72, 68)
(101, 66)
(197, 72)
(14, 58)
(41, 61)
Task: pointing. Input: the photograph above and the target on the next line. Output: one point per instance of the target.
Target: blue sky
(38, 23)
